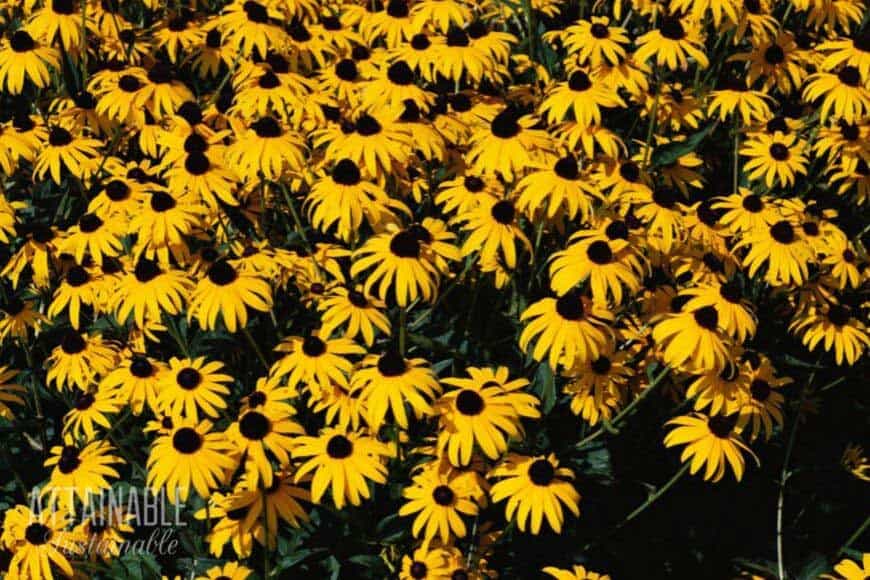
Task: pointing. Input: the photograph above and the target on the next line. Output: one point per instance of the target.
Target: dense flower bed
(439, 289)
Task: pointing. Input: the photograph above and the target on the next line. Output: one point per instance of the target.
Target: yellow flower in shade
(735, 314)
(845, 93)
(149, 291)
(82, 469)
(229, 571)
(575, 573)
(494, 231)
(672, 43)
(90, 409)
(39, 542)
(135, 382)
(259, 431)
(249, 25)
(732, 95)
(78, 360)
(722, 391)
(343, 461)
(314, 361)
(9, 392)
(264, 149)
(486, 409)
(78, 155)
(598, 387)
(608, 265)
(535, 488)
(440, 497)
(191, 386)
(761, 404)
(426, 563)
(76, 291)
(353, 310)
(555, 190)
(23, 58)
(105, 532)
(855, 462)
(237, 522)
(710, 442)
(692, 339)
(746, 211)
(229, 292)
(566, 329)
(161, 223)
(836, 327)
(58, 20)
(784, 250)
(507, 146)
(190, 455)
(851, 569)
(385, 383)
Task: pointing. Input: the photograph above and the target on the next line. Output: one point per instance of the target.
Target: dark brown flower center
(850, 76)
(187, 441)
(599, 30)
(313, 346)
(256, 12)
(782, 232)
(579, 81)
(69, 459)
(722, 426)
(566, 168)
(37, 534)
(629, 171)
(672, 29)
(469, 402)
(141, 368)
(339, 447)
(599, 252)
(392, 364)
(346, 172)
(222, 274)
(839, 315)
(77, 276)
(346, 70)
(779, 152)
(542, 472)
(59, 137)
(117, 190)
(419, 570)
(616, 230)
(72, 342)
(570, 306)
(707, 317)
(601, 365)
(197, 163)
(503, 212)
(760, 389)
(21, 41)
(774, 54)
(367, 126)
(267, 128)
(443, 495)
(83, 401)
(188, 378)
(400, 73)
(161, 201)
(146, 270)
(752, 203)
(405, 245)
(255, 426)
(505, 125)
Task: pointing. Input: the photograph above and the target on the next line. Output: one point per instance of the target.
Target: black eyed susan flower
(315, 361)
(24, 58)
(58, 21)
(342, 461)
(389, 381)
(249, 25)
(149, 291)
(778, 158)
(75, 292)
(566, 329)
(161, 224)
(782, 247)
(425, 563)
(191, 386)
(608, 265)
(711, 443)
(746, 211)
(577, 572)
(264, 148)
(485, 409)
(95, 237)
(373, 141)
(722, 391)
(343, 201)
(78, 155)
(9, 392)
(672, 43)
(90, 409)
(584, 95)
(844, 262)
(106, 532)
(733, 95)
(439, 498)
(40, 542)
(135, 382)
(558, 189)
(848, 569)
(494, 231)
(81, 469)
(692, 339)
(400, 262)
(535, 488)
(598, 387)
(238, 522)
(78, 360)
(229, 571)
(229, 293)
(595, 41)
(761, 406)
(735, 314)
(464, 193)
(507, 146)
(257, 431)
(844, 93)
(191, 455)
(356, 313)
(834, 327)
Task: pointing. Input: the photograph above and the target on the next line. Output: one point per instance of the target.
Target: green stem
(785, 474)
(655, 496)
(266, 568)
(736, 179)
(256, 347)
(854, 537)
(403, 330)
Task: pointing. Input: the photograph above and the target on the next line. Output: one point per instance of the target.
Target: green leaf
(545, 387)
(670, 153)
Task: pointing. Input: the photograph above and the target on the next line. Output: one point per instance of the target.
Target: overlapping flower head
(306, 252)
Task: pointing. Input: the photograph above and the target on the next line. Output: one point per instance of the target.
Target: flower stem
(255, 346)
(655, 496)
(861, 529)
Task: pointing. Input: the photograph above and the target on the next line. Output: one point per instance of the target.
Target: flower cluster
(279, 259)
